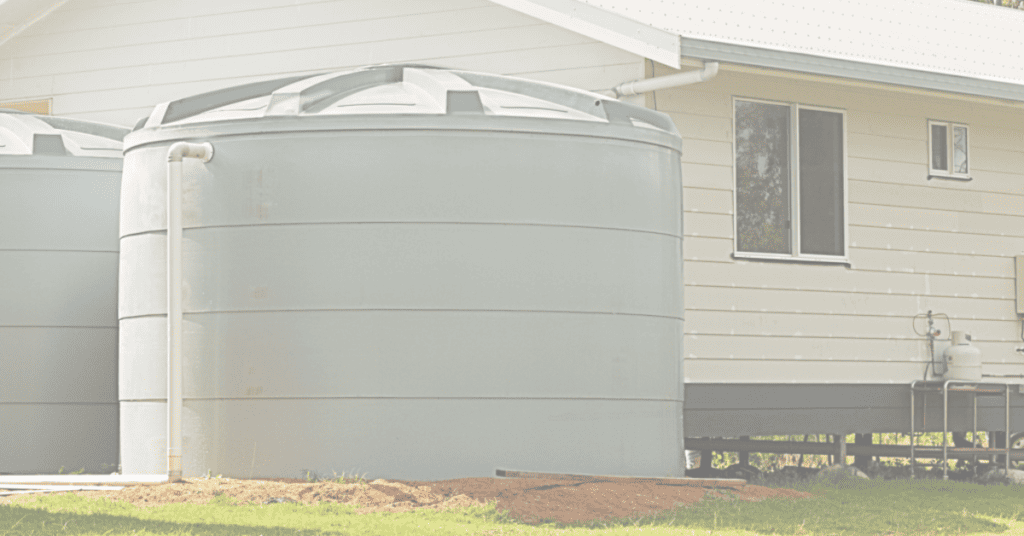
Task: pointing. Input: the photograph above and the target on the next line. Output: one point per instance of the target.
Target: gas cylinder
(963, 361)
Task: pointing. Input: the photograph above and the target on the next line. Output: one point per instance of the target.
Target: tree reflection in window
(762, 177)
(960, 150)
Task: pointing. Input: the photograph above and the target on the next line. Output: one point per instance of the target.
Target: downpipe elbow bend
(183, 149)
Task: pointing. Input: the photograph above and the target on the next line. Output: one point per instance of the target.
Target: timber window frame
(816, 213)
(948, 143)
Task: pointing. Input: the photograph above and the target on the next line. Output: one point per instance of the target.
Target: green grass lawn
(864, 507)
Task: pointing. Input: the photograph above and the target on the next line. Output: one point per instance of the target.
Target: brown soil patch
(525, 499)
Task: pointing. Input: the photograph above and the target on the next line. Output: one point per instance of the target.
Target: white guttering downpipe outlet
(176, 153)
(645, 85)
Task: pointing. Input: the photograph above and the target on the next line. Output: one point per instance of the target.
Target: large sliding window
(790, 181)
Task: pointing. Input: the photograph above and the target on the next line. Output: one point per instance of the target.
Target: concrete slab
(697, 482)
(83, 480)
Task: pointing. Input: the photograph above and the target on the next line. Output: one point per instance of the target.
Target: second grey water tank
(411, 273)
(59, 187)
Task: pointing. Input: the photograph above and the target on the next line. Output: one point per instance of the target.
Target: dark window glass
(762, 177)
(821, 183)
(939, 148)
(960, 150)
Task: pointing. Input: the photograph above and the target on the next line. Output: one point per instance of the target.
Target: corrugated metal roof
(953, 37)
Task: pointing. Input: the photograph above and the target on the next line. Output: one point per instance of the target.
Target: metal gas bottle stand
(976, 389)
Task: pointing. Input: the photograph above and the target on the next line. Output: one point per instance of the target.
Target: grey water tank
(408, 272)
(59, 189)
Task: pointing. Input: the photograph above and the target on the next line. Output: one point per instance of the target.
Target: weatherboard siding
(914, 244)
(114, 60)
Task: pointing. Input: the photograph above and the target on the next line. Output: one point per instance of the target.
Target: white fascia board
(618, 31)
(703, 50)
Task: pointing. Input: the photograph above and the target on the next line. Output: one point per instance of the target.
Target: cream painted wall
(113, 60)
(914, 245)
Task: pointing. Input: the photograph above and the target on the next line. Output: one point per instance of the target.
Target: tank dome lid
(406, 91)
(25, 134)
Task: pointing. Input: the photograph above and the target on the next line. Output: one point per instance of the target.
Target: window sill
(767, 257)
(950, 178)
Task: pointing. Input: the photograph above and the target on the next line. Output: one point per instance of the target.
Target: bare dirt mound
(535, 500)
(527, 500)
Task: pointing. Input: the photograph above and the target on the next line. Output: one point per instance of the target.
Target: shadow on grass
(16, 519)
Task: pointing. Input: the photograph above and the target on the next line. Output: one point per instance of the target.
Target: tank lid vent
(51, 144)
(25, 134)
(463, 102)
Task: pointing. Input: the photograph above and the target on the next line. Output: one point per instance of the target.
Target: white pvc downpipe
(176, 153)
(646, 85)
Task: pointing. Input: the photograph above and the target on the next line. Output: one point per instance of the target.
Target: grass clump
(349, 478)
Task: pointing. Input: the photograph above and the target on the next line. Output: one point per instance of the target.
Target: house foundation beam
(832, 449)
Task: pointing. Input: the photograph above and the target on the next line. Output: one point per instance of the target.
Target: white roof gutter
(646, 85)
(736, 54)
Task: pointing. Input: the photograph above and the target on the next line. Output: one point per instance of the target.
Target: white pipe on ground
(645, 85)
(59, 487)
(176, 153)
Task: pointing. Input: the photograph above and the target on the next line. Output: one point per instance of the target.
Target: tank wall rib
(387, 266)
(431, 176)
(410, 354)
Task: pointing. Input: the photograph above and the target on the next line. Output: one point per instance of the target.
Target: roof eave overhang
(670, 49)
(704, 50)
(610, 28)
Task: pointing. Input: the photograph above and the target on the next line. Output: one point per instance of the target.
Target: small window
(790, 181)
(947, 144)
